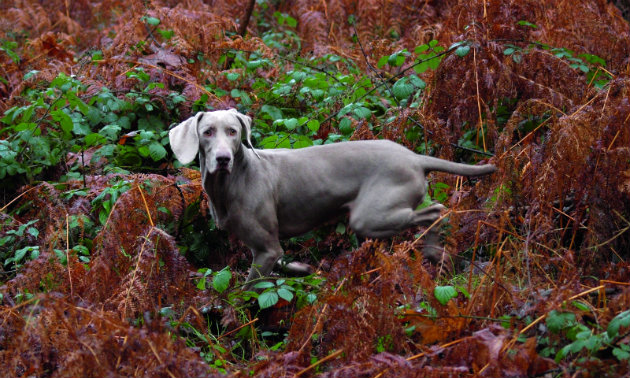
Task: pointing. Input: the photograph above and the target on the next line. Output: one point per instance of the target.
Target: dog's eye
(232, 132)
(208, 132)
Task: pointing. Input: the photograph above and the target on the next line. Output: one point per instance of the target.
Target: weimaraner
(262, 196)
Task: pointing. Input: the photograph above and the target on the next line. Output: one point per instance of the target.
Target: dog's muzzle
(223, 161)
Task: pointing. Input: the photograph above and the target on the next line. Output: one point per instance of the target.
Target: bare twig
(329, 357)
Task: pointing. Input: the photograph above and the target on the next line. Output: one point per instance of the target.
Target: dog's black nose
(223, 160)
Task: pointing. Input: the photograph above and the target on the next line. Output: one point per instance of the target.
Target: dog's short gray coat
(262, 196)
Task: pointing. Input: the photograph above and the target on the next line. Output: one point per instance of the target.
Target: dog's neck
(217, 186)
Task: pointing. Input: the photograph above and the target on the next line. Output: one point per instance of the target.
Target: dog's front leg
(263, 262)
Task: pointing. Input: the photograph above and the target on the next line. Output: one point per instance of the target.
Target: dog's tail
(434, 164)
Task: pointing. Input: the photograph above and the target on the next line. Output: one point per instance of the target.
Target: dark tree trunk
(242, 28)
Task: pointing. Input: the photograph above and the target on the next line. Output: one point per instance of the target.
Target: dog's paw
(298, 268)
(436, 207)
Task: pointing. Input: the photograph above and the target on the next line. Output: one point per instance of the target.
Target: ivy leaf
(444, 294)
(267, 299)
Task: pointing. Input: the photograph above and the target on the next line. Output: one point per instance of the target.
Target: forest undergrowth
(111, 266)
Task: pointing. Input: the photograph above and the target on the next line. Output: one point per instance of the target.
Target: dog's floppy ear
(185, 140)
(246, 124)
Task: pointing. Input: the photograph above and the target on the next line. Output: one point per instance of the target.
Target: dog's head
(217, 135)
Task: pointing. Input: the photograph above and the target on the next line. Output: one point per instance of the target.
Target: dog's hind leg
(385, 223)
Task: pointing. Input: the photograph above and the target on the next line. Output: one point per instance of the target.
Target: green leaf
(557, 321)
(144, 151)
(444, 294)
(290, 123)
(313, 125)
(508, 51)
(580, 305)
(621, 320)
(285, 294)
(157, 151)
(593, 59)
(527, 23)
(421, 67)
(221, 280)
(19, 255)
(396, 59)
(311, 298)
(253, 64)
(273, 112)
(415, 80)
(402, 89)
(111, 132)
(345, 126)
(422, 48)
(30, 74)
(166, 34)
(232, 76)
(269, 142)
(64, 120)
(341, 229)
(462, 51)
(264, 285)
(382, 62)
(151, 20)
(302, 141)
(33, 231)
(622, 353)
(362, 112)
(267, 299)
(434, 63)
(292, 22)
(106, 151)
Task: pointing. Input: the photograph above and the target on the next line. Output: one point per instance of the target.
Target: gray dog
(262, 196)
